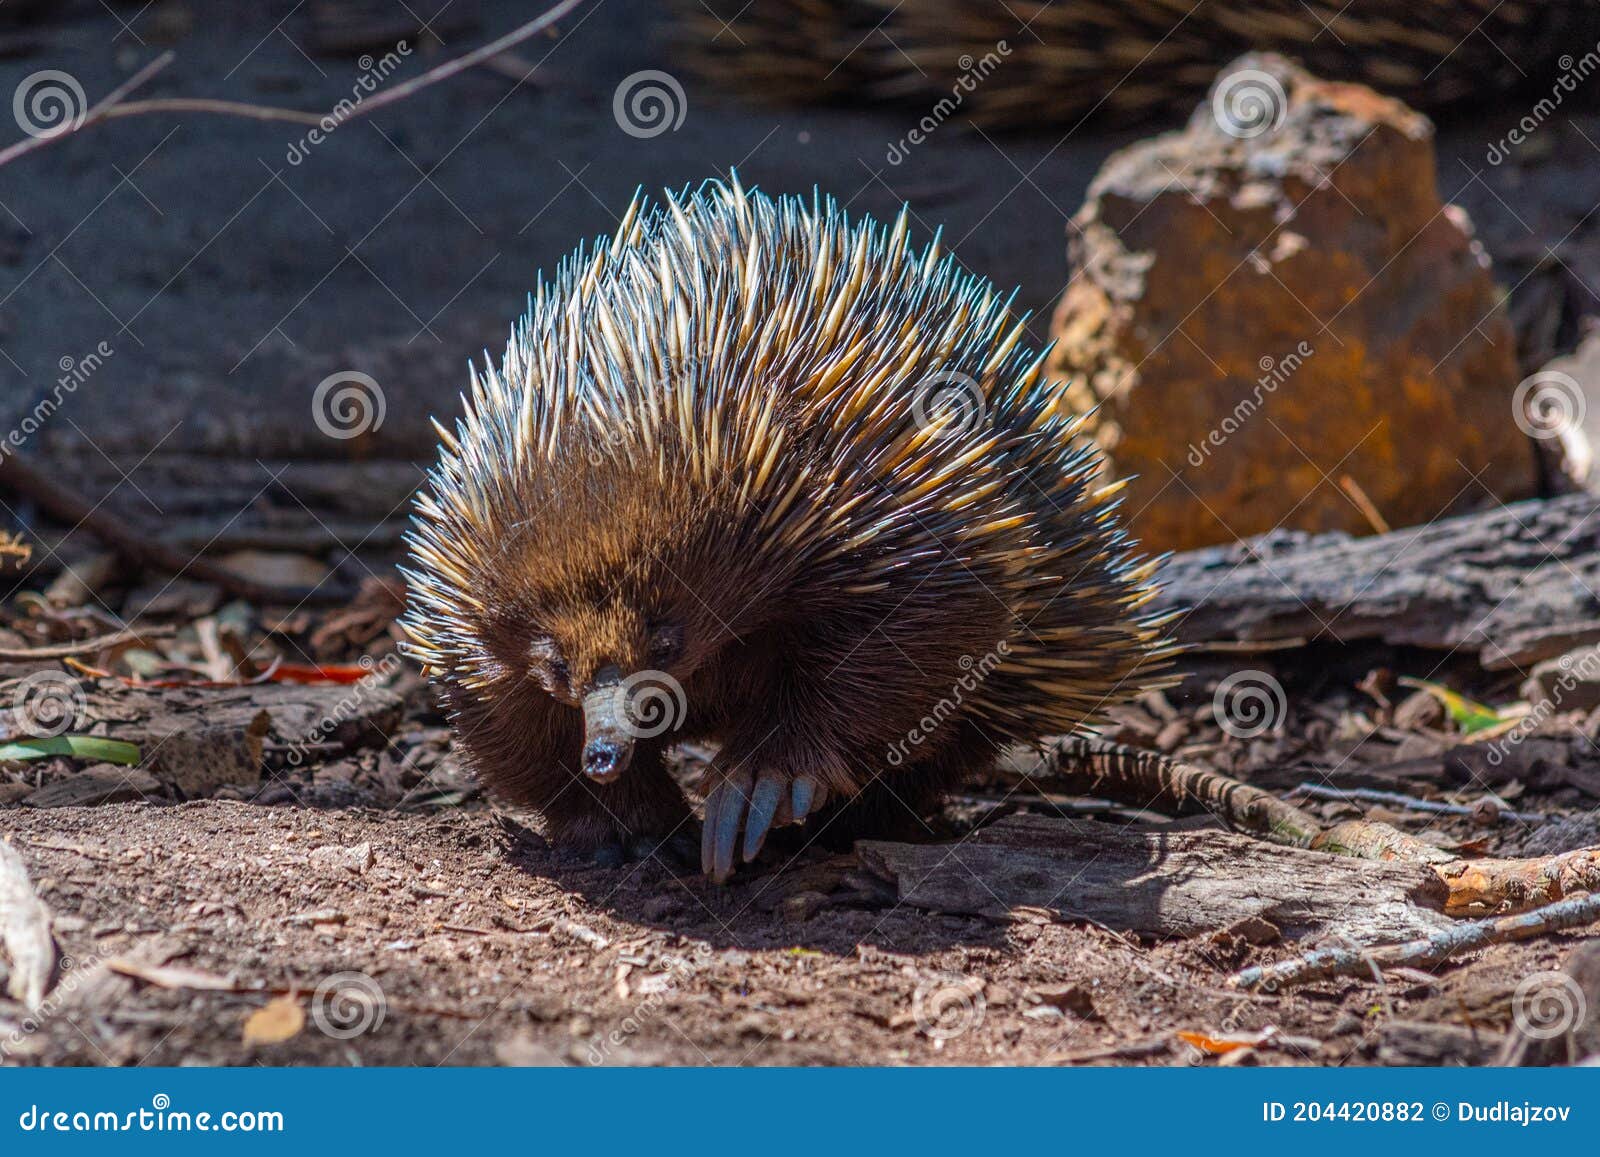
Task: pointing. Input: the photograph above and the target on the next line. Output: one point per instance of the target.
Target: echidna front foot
(754, 804)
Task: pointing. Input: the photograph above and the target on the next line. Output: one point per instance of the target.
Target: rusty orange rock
(1282, 325)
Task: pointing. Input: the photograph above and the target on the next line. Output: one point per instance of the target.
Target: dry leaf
(280, 1019)
(1218, 1046)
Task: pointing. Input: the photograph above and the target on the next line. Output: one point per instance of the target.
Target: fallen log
(1515, 584)
(1163, 884)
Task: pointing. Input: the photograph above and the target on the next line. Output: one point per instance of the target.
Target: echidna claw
(725, 810)
(736, 805)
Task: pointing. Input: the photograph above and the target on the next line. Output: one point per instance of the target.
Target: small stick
(86, 646)
(1364, 503)
(1084, 766)
(1409, 802)
(1431, 949)
(112, 105)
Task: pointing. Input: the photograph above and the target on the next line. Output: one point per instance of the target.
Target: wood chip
(278, 1020)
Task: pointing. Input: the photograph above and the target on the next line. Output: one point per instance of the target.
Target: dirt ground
(465, 940)
(370, 907)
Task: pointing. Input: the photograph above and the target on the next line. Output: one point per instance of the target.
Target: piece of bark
(1179, 885)
(1513, 585)
(101, 784)
(1494, 886)
(24, 931)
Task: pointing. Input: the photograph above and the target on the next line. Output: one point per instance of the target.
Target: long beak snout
(607, 741)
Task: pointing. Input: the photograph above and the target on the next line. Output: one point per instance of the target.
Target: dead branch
(113, 105)
(1079, 765)
(1158, 883)
(1083, 766)
(85, 646)
(1375, 840)
(1433, 948)
(144, 547)
(1409, 802)
(24, 931)
(1487, 886)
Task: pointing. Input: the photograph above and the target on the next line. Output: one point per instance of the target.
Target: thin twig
(85, 646)
(1431, 949)
(1409, 802)
(112, 106)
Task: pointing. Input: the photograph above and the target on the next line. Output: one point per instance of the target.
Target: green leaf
(1469, 715)
(81, 746)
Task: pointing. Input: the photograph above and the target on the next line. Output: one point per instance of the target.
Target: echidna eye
(665, 643)
(544, 657)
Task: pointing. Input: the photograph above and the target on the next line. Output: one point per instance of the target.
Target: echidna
(754, 474)
(1019, 63)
